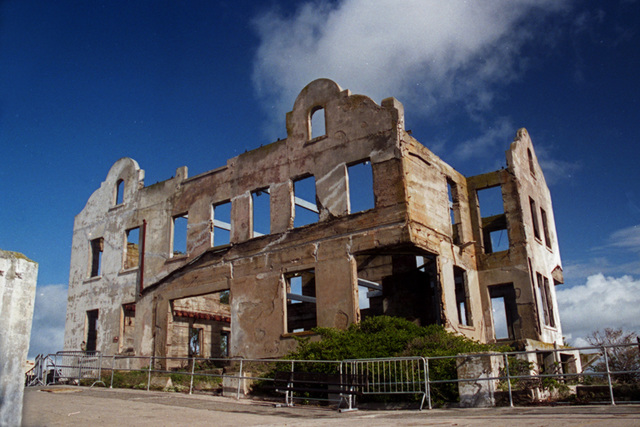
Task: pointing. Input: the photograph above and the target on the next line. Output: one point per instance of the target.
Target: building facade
(334, 223)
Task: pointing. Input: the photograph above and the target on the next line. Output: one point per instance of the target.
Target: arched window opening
(120, 192)
(530, 156)
(317, 127)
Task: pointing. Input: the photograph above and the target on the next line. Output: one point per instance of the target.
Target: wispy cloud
(432, 55)
(601, 302)
(47, 331)
(555, 170)
(626, 238)
(497, 135)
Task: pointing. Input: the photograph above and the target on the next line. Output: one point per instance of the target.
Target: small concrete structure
(479, 394)
(320, 229)
(18, 276)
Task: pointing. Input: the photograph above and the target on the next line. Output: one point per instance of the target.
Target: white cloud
(602, 302)
(47, 331)
(498, 135)
(428, 54)
(626, 238)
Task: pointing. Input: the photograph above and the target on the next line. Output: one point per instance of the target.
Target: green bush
(384, 336)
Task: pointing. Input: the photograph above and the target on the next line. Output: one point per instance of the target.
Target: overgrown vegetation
(384, 336)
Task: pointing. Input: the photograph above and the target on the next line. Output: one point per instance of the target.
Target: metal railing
(420, 377)
(392, 376)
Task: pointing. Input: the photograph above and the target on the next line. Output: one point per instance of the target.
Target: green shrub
(384, 336)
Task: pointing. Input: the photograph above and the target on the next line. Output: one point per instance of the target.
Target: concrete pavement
(70, 406)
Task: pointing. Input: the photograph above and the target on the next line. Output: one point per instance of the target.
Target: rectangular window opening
(179, 238)
(261, 206)
(131, 250)
(224, 344)
(360, 184)
(92, 331)
(195, 341)
(128, 327)
(534, 218)
(545, 228)
(542, 292)
(549, 302)
(366, 290)
(504, 310)
(500, 328)
(495, 235)
(301, 301)
(221, 217)
(454, 212)
(490, 201)
(462, 296)
(97, 247)
(306, 209)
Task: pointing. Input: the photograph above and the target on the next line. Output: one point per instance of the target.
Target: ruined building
(315, 230)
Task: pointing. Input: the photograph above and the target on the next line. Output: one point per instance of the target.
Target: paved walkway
(70, 406)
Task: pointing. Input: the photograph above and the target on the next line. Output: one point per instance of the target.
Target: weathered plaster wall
(18, 276)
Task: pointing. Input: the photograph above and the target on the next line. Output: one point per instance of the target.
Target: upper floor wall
(306, 175)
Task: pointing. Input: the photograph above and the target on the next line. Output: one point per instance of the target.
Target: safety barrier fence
(422, 378)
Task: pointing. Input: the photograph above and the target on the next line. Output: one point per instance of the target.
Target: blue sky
(84, 83)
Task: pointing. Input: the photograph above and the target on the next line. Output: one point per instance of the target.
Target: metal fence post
(428, 381)
(149, 377)
(606, 362)
(113, 369)
(506, 364)
(239, 379)
(193, 367)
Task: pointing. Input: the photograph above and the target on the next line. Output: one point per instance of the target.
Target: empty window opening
(534, 218)
(317, 125)
(530, 157)
(549, 302)
(132, 251)
(91, 338)
(195, 342)
(211, 313)
(545, 228)
(400, 285)
(500, 329)
(499, 240)
(119, 199)
(221, 214)
(261, 206)
(301, 301)
(128, 327)
(224, 297)
(360, 184)
(454, 212)
(97, 247)
(306, 208)
(224, 344)
(541, 298)
(462, 296)
(495, 235)
(367, 289)
(490, 201)
(179, 238)
(504, 311)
